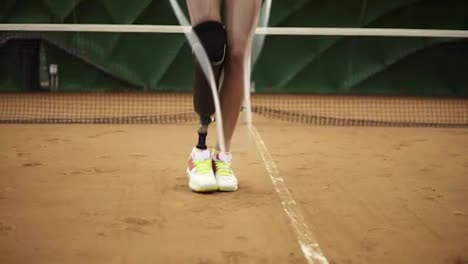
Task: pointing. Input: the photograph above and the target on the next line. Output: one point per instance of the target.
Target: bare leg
(241, 19)
(204, 10)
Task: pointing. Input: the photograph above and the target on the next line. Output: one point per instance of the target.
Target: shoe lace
(223, 168)
(203, 166)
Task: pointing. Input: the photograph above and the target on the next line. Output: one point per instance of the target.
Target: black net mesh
(141, 107)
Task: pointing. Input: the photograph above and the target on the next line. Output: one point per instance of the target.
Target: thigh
(241, 17)
(204, 10)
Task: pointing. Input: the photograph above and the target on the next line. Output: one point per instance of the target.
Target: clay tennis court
(357, 153)
(118, 194)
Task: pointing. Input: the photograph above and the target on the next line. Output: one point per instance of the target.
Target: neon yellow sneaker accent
(203, 166)
(223, 168)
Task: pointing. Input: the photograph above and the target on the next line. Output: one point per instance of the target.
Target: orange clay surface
(118, 194)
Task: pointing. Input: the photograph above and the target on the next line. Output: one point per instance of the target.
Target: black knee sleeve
(212, 37)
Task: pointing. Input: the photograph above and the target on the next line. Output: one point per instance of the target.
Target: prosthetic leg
(213, 39)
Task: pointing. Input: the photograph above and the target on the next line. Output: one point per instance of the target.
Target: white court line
(305, 237)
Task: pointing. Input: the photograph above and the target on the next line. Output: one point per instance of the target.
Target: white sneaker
(200, 171)
(222, 166)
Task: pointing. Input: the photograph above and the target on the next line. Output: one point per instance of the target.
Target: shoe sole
(204, 189)
(228, 189)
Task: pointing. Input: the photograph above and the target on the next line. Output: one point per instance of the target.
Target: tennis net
(121, 77)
